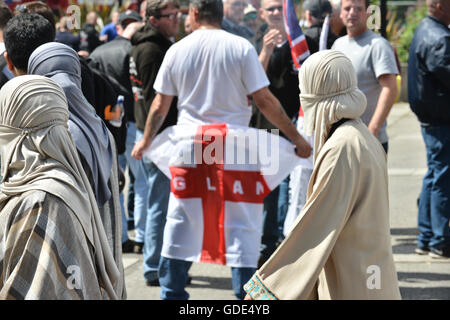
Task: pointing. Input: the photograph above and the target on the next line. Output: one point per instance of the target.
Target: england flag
(220, 175)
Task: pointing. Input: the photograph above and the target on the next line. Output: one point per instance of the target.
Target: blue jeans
(122, 162)
(157, 202)
(173, 276)
(283, 204)
(434, 202)
(270, 232)
(140, 183)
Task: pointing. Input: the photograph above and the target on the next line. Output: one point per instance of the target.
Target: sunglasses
(272, 9)
(170, 16)
(239, 4)
(250, 16)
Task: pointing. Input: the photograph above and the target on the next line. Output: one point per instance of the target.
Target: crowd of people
(81, 109)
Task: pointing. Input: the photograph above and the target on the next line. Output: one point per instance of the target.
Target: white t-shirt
(211, 72)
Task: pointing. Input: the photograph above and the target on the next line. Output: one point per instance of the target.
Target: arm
(385, 102)
(271, 108)
(158, 112)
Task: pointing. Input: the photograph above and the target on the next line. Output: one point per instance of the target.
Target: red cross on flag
(220, 175)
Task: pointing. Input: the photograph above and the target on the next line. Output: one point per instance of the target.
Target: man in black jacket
(149, 47)
(112, 58)
(315, 12)
(89, 37)
(429, 96)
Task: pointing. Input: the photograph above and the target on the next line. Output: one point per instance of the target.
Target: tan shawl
(329, 93)
(339, 246)
(38, 153)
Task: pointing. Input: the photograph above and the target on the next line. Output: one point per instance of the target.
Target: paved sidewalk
(420, 277)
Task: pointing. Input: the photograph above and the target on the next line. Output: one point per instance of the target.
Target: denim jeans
(434, 203)
(270, 232)
(122, 162)
(173, 276)
(157, 202)
(283, 204)
(140, 183)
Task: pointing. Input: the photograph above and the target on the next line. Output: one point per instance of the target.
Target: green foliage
(413, 18)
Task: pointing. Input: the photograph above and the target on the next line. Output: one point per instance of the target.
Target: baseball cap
(129, 15)
(249, 9)
(318, 8)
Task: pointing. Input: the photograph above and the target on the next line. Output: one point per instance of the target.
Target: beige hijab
(38, 153)
(329, 93)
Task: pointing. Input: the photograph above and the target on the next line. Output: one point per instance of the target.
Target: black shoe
(130, 226)
(189, 280)
(138, 247)
(422, 250)
(128, 246)
(440, 253)
(152, 283)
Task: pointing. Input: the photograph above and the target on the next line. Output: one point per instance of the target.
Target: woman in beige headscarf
(339, 247)
(52, 242)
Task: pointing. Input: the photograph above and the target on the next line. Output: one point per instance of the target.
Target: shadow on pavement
(418, 293)
(404, 231)
(211, 282)
(420, 276)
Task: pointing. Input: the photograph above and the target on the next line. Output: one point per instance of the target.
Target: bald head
(440, 9)
(91, 18)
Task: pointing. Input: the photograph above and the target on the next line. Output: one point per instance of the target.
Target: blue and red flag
(297, 40)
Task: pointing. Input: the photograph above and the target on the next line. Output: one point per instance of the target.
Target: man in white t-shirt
(212, 72)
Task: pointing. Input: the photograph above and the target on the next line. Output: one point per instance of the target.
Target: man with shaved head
(89, 37)
(429, 96)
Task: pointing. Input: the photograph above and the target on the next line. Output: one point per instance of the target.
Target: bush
(413, 18)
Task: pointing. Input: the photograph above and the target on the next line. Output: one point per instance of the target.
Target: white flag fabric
(298, 183)
(324, 34)
(220, 175)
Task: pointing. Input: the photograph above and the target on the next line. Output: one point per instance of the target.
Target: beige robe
(339, 246)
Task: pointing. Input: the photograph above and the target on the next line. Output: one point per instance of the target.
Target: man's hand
(374, 128)
(158, 112)
(139, 149)
(270, 40)
(302, 148)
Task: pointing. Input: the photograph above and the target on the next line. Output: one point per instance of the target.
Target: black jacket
(102, 95)
(312, 35)
(113, 59)
(429, 72)
(283, 81)
(147, 54)
(89, 39)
